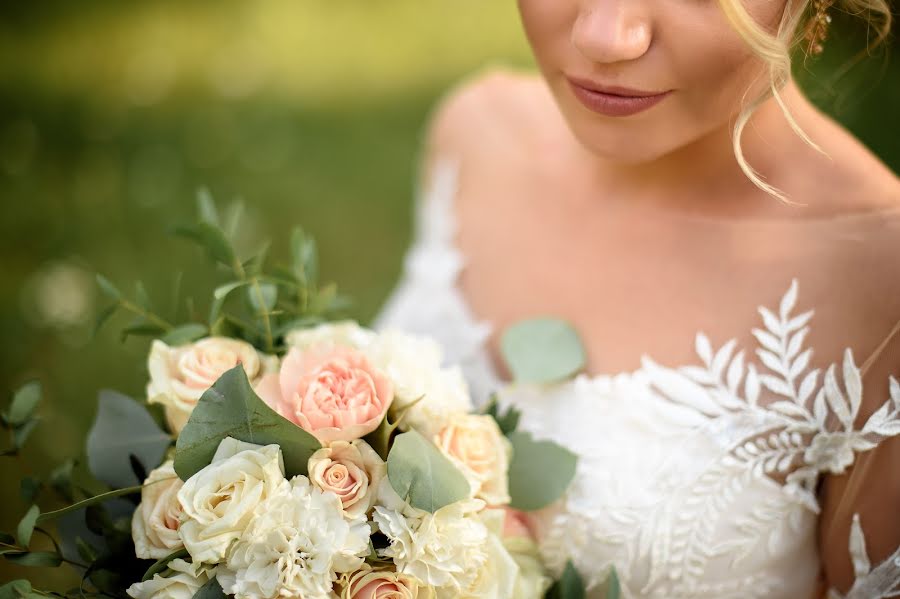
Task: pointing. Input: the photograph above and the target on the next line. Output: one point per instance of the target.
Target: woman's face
(682, 55)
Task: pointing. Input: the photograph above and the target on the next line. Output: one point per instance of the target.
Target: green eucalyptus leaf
(161, 563)
(304, 257)
(262, 297)
(108, 288)
(102, 317)
(185, 333)
(35, 559)
(422, 475)
(230, 408)
(121, 428)
(569, 585)
(21, 434)
(540, 472)
(29, 487)
(206, 207)
(15, 589)
(25, 401)
(542, 350)
(141, 329)
(143, 298)
(220, 295)
(211, 590)
(26, 525)
(507, 420)
(212, 238)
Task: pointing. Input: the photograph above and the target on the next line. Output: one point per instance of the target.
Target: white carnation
(343, 333)
(499, 575)
(186, 580)
(155, 523)
(220, 500)
(446, 550)
(414, 366)
(295, 547)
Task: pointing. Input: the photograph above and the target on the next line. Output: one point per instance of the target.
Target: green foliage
(163, 562)
(613, 588)
(542, 350)
(123, 428)
(211, 590)
(230, 408)
(19, 418)
(422, 475)
(507, 420)
(26, 526)
(539, 473)
(569, 585)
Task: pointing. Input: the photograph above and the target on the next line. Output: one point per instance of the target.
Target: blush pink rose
(335, 393)
(516, 524)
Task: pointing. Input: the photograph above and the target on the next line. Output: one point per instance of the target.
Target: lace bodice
(693, 481)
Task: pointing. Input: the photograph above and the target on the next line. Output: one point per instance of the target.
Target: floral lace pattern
(695, 481)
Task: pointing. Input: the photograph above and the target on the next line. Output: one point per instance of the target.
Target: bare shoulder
(850, 178)
(493, 106)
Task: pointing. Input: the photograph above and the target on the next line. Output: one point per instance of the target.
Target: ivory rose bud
(185, 580)
(334, 393)
(475, 444)
(352, 471)
(369, 583)
(346, 333)
(179, 375)
(155, 523)
(532, 581)
(221, 499)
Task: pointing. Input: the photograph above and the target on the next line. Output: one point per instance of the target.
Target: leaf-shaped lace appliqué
(795, 434)
(880, 582)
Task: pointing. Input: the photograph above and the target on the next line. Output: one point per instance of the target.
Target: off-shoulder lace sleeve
(860, 521)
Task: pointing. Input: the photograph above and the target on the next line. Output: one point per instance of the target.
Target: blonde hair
(776, 49)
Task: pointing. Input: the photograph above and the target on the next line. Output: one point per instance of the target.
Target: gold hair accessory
(817, 28)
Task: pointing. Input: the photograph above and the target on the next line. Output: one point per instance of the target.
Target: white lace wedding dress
(695, 481)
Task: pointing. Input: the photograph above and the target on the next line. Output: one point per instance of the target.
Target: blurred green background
(112, 114)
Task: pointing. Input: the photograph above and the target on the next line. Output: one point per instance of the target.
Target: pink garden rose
(334, 393)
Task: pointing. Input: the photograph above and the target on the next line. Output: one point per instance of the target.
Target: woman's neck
(704, 176)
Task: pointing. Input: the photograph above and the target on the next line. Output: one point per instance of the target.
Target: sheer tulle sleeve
(860, 521)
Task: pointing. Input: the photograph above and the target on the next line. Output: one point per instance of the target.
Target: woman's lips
(614, 101)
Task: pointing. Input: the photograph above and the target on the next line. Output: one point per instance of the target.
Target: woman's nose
(610, 31)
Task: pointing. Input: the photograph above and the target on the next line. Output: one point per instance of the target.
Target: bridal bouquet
(284, 451)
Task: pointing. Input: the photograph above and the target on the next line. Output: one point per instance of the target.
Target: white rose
(220, 500)
(445, 550)
(180, 375)
(414, 365)
(155, 523)
(475, 445)
(533, 580)
(186, 581)
(296, 546)
(345, 333)
(352, 471)
(498, 576)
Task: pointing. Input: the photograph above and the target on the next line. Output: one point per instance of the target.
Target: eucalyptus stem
(98, 499)
(264, 312)
(148, 315)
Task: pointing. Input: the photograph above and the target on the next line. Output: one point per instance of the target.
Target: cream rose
(180, 375)
(334, 393)
(431, 393)
(369, 583)
(220, 500)
(155, 523)
(186, 580)
(475, 444)
(352, 471)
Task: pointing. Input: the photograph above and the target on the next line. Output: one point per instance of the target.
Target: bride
(729, 257)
